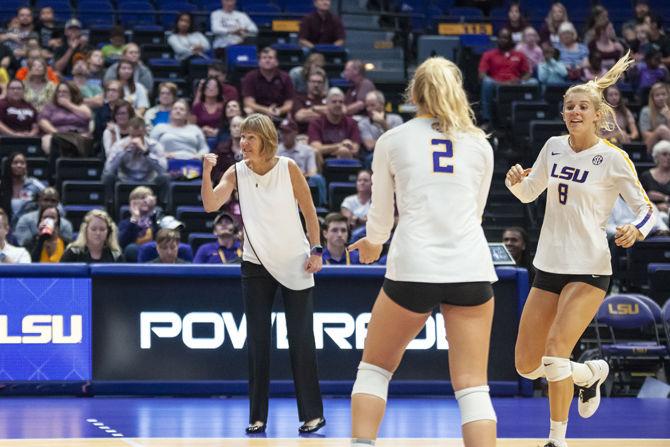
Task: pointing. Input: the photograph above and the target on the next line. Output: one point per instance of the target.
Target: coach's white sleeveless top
(273, 233)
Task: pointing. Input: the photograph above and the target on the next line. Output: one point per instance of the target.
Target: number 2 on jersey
(562, 193)
(439, 154)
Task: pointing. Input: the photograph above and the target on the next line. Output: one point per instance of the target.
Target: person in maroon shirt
(268, 90)
(208, 108)
(310, 106)
(354, 72)
(502, 65)
(218, 70)
(17, 117)
(321, 27)
(335, 134)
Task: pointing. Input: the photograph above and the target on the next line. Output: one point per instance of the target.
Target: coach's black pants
(258, 290)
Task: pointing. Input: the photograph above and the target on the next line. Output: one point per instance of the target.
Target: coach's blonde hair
(437, 89)
(112, 237)
(262, 126)
(594, 90)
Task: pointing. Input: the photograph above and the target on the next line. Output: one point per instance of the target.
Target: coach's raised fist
(209, 162)
(516, 174)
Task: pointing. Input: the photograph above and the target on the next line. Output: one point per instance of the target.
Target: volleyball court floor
(220, 422)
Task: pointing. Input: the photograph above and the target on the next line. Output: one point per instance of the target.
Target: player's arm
(485, 185)
(214, 198)
(380, 217)
(528, 184)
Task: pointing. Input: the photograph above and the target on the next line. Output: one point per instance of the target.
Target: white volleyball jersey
(581, 190)
(273, 233)
(440, 186)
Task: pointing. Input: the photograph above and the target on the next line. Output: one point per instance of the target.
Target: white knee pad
(372, 380)
(475, 404)
(535, 374)
(556, 368)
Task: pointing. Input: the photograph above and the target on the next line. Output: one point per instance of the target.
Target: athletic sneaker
(589, 395)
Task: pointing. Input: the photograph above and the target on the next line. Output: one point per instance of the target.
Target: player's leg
(469, 333)
(391, 329)
(577, 305)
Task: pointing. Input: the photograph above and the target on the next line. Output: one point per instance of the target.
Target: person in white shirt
(356, 206)
(230, 27)
(583, 175)
(439, 167)
(272, 191)
(10, 254)
(185, 41)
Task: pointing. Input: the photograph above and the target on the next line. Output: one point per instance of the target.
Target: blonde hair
(653, 110)
(594, 90)
(262, 126)
(112, 239)
(437, 89)
(140, 193)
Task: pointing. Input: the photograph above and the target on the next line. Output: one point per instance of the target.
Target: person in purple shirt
(321, 27)
(336, 234)
(268, 90)
(652, 70)
(227, 248)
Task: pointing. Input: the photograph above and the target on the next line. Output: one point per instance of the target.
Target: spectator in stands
(48, 245)
(652, 70)
(185, 41)
(117, 128)
(321, 27)
(598, 19)
(50, 36)
(103, 115)
(207, 112)
(230, 27)
(113, 51)
(17, 117)
(641, 44)
(303, 155)
(90, 89)
(167, 245)
(656, 181)
(142, 224)
(39, 91)
(354, 72)
(96, 241)
(136, 158)
(606, 43)
(573, 54)
(228, 151)
(66, 122)
(641, 10)
(356, 206)
(227, 249)
(336, 235)
(335, 134)
(17, 184)
(268, 90)
(502, 65)
(312, 105)
(18, 31)
(133, 92)
(33, 54)
(160, 113)
(141, 74)
(96, 66)
(300, 74)
(10, 254)
(26, 227)
(375, 123)
(655, 116)
(231, 109)
(552, 70)
(180, 139)
(657, 38)
(530, 47)
(75, 44)
(218, 70)
(556, 17)
(594, 69)
(516, 23)
(626, 130)
(516, 242)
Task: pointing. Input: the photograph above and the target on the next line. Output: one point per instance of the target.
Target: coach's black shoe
(256, 428)
(553, 443)
(312, 426)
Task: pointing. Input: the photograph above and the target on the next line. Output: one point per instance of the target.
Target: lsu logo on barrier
(569, 173)
(43, 329)
(623, 309)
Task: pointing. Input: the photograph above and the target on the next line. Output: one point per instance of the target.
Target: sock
(358, 442)
(581, 373)
(557, 431)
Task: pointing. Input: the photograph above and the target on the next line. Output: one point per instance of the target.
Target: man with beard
(227, 248)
